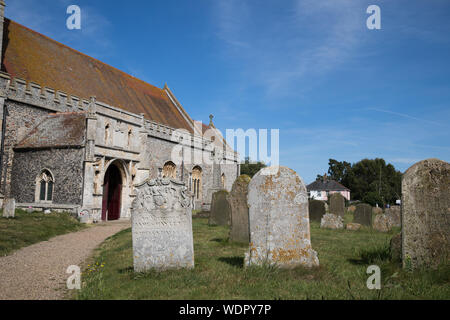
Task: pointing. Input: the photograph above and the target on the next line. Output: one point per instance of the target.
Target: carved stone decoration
(161, 221)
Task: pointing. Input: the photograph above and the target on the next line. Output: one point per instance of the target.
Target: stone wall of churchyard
(21, 118)
(66, 165)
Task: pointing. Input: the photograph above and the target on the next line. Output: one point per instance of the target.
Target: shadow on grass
(233, 261)
(371, 255)
(220, 240)
(129, 269)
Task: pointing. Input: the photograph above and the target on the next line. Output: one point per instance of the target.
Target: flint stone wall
(426, 214)
(162, 226)
(279, 220)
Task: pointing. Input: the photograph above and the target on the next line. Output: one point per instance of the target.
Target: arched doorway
(112, 194)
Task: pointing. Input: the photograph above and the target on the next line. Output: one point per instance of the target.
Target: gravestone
(337, 204)
(316, 210)
(426, 214)
(279, 220)
(237, 198)
(382, 223)
(220, 214)
(363, 214)
(395, 215)
(9, 208)
(332, 221)
(161, 221)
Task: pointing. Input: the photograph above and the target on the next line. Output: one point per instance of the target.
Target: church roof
(57, 130)
(326, 185)
(34, 57)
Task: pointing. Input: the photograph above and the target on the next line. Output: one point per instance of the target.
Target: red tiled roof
(34, 57)
(57, 130)
(328, 185)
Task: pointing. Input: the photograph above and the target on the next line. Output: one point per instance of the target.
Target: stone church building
(77, 134)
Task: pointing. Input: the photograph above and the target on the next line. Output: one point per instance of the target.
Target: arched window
(169, 170)
(130, 136)
(44, 187)
(223, 180)
(197, 182)
(106, 133)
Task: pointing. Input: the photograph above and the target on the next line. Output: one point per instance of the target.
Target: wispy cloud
(301, 41)
(406, 116)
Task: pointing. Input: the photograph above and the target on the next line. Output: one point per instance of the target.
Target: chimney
(325, 177)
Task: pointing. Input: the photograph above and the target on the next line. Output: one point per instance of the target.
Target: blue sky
(310, 68)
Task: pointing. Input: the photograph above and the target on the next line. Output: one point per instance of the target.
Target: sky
(310, 68)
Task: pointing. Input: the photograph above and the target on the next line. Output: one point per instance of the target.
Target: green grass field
(219, 273)
(29, 228)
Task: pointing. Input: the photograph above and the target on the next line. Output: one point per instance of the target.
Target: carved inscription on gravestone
(162, 226)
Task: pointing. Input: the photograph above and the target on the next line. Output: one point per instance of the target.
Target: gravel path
(39, 271)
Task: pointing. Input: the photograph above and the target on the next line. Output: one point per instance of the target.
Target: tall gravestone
(363, 214)
(237, 198)
(426, 214)
(9, 208)
(316, 210)
(279, 220)
(161, 222)
(220, 209)
(337, 204)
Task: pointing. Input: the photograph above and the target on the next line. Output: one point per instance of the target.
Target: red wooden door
(105, 196)
(112, 191)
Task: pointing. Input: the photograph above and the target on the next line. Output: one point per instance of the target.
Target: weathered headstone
(332, 221)
(316, 210)
(382, 223)
(395, 215)
(363, 214)
(9, 208)
(426, 214)
(220, 209)
(237, 198)
(279, 220)
(337, 204)
(161, 222)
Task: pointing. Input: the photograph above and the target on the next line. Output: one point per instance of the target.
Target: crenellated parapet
(33, 94)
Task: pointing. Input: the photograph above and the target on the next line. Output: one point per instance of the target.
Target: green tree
(251, 168)
(369, 180)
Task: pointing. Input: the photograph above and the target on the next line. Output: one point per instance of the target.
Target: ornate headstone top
(161, 193)
(162, 226)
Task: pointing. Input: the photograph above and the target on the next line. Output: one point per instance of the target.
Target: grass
(219, 273)
(29, 228)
